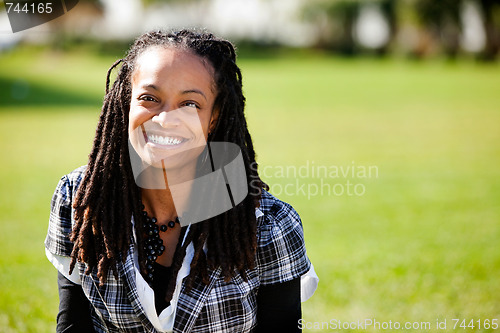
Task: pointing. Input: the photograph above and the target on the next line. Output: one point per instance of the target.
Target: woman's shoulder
(281, 253)
(75, 177)
(68, 184)
(274, 213)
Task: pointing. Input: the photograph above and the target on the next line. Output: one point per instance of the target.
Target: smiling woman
(171, 108)
(129, 257)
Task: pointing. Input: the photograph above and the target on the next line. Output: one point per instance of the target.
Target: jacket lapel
(126, 271)
(190, 304)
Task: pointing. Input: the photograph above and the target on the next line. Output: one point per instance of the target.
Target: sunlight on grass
(419, 244)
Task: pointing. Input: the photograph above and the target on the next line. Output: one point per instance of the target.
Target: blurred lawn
(420, 244)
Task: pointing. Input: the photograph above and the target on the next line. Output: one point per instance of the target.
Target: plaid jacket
(217, 307)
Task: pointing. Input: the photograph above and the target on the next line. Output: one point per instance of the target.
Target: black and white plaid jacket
(217, 307)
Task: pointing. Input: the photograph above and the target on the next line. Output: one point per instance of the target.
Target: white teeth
(164, 140)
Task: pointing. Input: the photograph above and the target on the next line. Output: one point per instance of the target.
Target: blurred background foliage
(416, 28)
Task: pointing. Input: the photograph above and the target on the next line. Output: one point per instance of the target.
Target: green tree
(335, 20)
(491, 20)
(442, 19)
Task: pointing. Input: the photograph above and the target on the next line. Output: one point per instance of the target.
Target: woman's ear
(213, 120)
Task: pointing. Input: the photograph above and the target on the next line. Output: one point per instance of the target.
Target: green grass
(420, 244)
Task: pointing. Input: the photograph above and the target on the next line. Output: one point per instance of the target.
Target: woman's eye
(191, 104)
(147, 98)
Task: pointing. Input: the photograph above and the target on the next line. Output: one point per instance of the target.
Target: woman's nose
(167, 118)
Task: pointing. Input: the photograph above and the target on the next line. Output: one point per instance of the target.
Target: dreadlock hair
(108, 196)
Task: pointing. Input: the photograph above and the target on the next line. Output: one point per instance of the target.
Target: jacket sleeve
(281, 252)
(74, 308)
(58, 246)
(57, 241)
(279, 307)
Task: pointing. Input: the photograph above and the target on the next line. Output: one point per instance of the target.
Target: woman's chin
(172, 158)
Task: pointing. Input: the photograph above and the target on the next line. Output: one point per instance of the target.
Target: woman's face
(173, 94)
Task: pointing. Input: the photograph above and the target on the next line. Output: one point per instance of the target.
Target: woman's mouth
(165, 140)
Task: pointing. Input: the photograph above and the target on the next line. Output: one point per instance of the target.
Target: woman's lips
(163, 138)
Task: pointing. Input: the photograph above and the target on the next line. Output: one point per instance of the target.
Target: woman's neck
(159, 203)
(162, 197)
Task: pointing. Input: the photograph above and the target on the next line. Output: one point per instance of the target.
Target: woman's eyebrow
(149, 85)
(195, 91)
(184, 92)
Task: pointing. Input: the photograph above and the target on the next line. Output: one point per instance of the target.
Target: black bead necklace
(154, 244)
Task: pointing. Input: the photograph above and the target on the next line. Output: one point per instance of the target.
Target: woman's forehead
(158, 60)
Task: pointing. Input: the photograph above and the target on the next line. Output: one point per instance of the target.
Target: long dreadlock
(108, 196)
